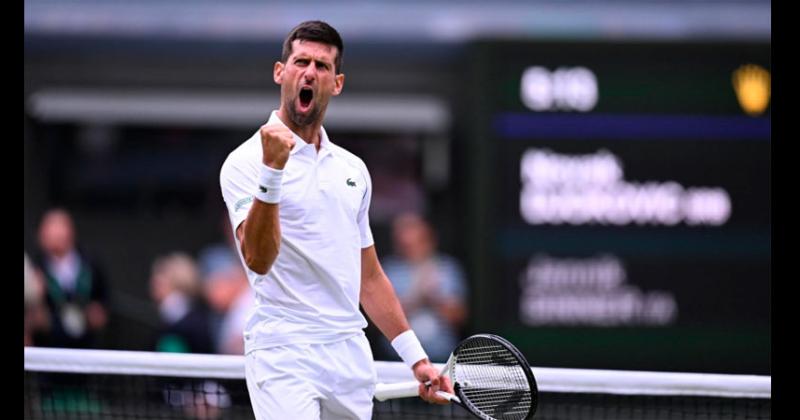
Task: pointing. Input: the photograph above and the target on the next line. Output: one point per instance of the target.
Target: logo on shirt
(262, 188)
(241, 203)
(351, 183)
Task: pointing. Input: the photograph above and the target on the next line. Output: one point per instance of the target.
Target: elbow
(259, 266)
(261, 261)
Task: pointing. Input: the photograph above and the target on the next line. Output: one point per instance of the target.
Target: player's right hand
(276, 143)
(431, 381)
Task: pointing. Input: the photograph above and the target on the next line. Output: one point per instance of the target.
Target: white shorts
(312, 381)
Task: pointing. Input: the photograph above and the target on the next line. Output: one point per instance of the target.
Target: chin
(304, 119)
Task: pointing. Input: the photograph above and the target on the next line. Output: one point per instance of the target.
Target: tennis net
(106, 384)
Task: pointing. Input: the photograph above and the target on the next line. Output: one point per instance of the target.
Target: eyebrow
(307, 58)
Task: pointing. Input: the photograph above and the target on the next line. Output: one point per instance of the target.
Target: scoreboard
(619, 202)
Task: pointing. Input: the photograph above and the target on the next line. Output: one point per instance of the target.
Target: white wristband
(269, 185)
(409, 348)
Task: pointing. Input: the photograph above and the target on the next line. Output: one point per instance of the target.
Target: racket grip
(448, 396)
(385, 392)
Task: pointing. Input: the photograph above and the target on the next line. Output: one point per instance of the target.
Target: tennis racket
(491, 379)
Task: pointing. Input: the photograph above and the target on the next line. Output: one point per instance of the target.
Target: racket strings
(492, 379)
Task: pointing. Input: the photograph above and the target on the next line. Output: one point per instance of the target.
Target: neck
(174, 307)
(309, 133)
(420, 257)
(60, 255)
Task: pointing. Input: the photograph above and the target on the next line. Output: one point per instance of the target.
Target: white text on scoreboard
(590, 189)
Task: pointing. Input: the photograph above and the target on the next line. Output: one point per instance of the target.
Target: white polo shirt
(311, 293)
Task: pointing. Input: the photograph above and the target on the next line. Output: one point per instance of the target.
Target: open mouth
(306, 96)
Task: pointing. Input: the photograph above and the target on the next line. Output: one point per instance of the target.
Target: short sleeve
(238, 182)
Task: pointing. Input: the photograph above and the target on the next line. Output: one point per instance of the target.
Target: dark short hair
(318, 31)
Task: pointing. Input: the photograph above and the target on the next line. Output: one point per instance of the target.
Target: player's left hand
(425, 371)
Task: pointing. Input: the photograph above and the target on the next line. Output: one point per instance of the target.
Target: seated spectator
(175, 288)
(430, 286)
(229, 294)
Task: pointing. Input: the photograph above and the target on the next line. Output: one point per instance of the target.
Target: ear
(338, 84)
(277, 72)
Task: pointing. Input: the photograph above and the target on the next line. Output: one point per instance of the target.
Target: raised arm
(260, 234)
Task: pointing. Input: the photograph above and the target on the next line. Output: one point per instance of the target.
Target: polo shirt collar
(324, 142)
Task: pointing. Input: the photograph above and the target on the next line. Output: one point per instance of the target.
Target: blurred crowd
(66, 299)
(202, 303)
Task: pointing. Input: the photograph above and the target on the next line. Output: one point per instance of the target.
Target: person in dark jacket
(76, 295)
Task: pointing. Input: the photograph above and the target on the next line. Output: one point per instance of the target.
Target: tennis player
(299, 208)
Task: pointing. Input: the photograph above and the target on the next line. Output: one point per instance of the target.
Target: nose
(310, 74)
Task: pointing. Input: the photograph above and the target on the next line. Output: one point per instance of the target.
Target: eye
(301, 61)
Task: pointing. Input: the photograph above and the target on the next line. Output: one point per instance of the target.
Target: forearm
(261, 236)
(382, 306)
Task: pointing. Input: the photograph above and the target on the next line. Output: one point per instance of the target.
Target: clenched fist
(276, 143)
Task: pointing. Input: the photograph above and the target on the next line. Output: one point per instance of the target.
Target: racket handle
(385, 392)
(448, 396)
